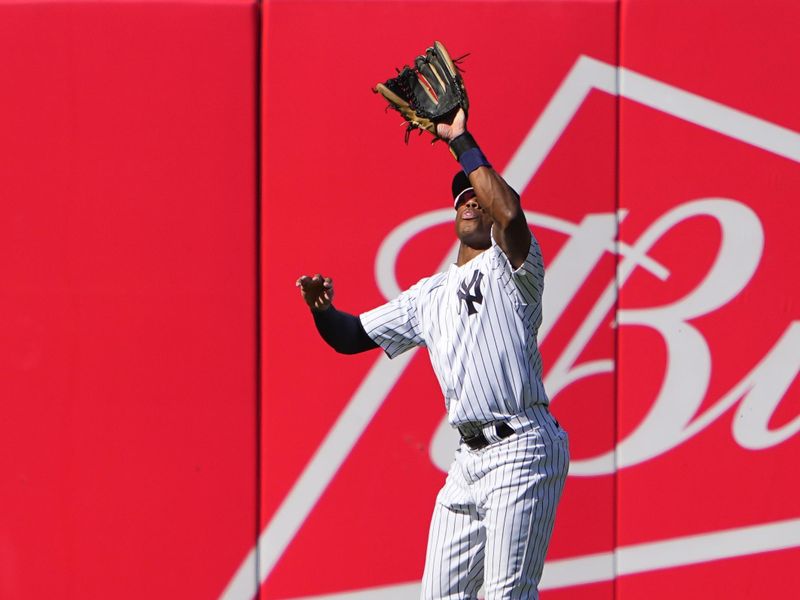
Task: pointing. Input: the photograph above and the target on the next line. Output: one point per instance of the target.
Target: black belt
(476, 441)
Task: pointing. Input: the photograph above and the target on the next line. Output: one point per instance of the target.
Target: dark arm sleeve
(342, 331)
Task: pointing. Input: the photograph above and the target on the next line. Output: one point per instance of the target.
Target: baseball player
(493, 518)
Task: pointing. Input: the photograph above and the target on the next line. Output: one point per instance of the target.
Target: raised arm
(495, 196)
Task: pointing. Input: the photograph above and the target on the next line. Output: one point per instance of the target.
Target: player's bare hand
(317, 291)
(450, 131)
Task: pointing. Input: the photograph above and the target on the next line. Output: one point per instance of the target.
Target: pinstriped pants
(494, 516)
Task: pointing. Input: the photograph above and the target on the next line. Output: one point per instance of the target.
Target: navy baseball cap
(460, 186)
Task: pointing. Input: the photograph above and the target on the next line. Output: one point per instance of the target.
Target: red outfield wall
(709, 401)
(354, 495)
(676, 378)
(127, 270)
(662, 194)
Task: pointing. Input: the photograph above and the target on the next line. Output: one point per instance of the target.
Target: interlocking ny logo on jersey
(471, 298)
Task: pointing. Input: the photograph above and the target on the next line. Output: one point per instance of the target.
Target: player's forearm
(497, 198)
(342, 331)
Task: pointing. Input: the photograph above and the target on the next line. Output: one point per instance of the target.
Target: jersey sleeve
(395, 325)
(527, 281)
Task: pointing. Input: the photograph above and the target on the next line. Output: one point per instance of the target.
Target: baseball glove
(430, 92)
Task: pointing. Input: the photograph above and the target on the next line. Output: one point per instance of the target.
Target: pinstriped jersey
(479, 323)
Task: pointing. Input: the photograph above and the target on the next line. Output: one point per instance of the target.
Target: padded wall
(670, 293)
(128, 331)
(663, 195)
(355, 447)
(709, 354)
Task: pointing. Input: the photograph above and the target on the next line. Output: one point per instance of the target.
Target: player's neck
(466, 254)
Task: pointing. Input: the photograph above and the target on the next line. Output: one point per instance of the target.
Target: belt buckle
(478, 439)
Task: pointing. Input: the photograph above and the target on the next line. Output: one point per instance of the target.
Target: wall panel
(354, 449)
(709, 354)
(127, 261)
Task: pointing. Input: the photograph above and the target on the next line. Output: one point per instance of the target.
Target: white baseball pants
(494, 516)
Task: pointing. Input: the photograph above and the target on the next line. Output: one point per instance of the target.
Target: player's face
(473, 225)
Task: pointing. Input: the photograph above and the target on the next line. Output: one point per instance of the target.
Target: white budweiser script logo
(675, 414)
